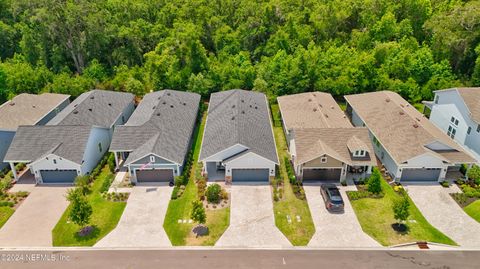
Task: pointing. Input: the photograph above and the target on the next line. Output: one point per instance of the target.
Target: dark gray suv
(332, 197)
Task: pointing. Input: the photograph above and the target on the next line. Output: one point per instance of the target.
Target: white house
(74, 141)
(457, 113)
(238, 143)
(410, 147)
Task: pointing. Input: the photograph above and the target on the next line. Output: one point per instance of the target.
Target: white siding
(250, 160)
(224, 154)
(48, 163)
(92, 154)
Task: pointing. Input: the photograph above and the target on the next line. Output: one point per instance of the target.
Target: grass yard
(217, 220)
(298, 233)
(473, 210)
(5, 213)
(105, 217)
(376, 218)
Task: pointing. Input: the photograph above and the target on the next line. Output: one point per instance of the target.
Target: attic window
(359, 153)
(323, 159)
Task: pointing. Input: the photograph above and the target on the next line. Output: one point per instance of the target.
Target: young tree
(374, 184)
(198, 212)
(83, 184)
(401, 209)
(81, 210)
(474, 174)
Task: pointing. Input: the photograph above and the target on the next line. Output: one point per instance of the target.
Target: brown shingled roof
(402, 130)
(311, 110)
(471, 97)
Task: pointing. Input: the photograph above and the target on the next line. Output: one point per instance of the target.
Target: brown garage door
(155, 175)
(329, 175)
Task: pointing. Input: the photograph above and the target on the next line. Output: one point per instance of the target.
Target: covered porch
(214, 171)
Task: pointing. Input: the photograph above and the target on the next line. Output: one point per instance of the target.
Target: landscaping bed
(377, 219)
(289, 199)
(106, 212)
(469, 198)
(9, 201)
(178, 224)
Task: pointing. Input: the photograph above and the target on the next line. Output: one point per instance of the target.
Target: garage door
(322, 174)
(250, 175)
(424, 174)
(155, 175)
(58, 176)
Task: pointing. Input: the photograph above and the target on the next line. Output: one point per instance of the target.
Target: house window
(454, 121)
(100, 147)
(54, 161)
(451, 131)
(152, 159)
(323, 160)
(478, 128)
(359, 153)
(436, 99)
(469, 130)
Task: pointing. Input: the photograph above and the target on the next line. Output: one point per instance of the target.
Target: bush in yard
(111, 162)
(175, 193)
(81, 210)
(213, 193)
(374, 184)
(106, 184)
(201, 186)
(178, 181)
(198, 212)
(474, 174)
(83, 184)
(401, 211)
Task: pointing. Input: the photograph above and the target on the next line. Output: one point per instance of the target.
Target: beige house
(323, 144)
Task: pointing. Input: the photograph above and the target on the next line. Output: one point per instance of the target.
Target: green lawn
(105, 217)
(376, 218)
(299, 233)
(473, 210)
(217, 220)
(5, 213)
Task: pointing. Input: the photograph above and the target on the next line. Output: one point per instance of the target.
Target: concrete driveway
(443, 212)
(141, 224)
(335, 229)
(252, 223)
(32, 223)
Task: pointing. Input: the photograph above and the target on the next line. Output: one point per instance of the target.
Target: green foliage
(474, 174)
(111, 162)
(83, 184)
(81, 210)
(175, 193)
(400, 209)
(106, 183)
(201, 187)
(290, 171)
(198, 212)
(213, 193)
(374, 185)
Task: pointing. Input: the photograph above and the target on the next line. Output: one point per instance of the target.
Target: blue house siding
(92, 153)
(6, 138)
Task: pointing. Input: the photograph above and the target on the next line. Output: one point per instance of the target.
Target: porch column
(443, 174)
(116, 159)
(14, 171)
(466, 172)
(343, 174)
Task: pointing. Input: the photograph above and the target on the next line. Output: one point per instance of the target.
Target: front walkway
(141, 224)
(335, 229)
(443, 212)
(252, 223)
(32, 223)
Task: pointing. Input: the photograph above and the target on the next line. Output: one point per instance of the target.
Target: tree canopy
(274, 46)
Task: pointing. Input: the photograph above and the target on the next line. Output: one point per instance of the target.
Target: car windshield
(335, 195)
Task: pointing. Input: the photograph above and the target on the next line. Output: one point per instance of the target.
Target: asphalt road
(239, 258)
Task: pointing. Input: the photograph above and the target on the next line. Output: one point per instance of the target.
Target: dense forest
(275, 46)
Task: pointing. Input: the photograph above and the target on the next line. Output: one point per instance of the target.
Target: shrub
(357, 195)
(6, 203)
(81, 210)
(175, 193)
(201, 186)
(224, 194)
(445, 184)
(198, 212)
(461, 198)
(83, 184)
(22, 194)
(178, 181)
(5, 184)
(290, 172)
(106, 184)
(111, 162)
(474, 174)
(374, 184)
(213, 193)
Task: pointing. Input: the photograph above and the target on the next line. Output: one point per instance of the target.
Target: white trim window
(359, 153)
(454, 121)
(152, 159)
(451, 131)
(323, 159)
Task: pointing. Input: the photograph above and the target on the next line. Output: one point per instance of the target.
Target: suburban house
(410, 147)
(27, 109)
(457, 113)
(323, 144)
(74, 141)
(154, 142)
(238, 143)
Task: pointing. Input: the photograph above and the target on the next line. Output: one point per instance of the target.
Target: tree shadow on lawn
(94, 233)
(400, 228)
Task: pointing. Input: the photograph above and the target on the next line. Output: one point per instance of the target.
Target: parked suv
(332, 197)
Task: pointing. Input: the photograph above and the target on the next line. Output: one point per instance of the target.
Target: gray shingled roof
(28, 109)
(162, 124)
(96, 107)
(239, 117)
(33, 142)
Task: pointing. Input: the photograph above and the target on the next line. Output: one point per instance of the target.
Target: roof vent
(233, 117)
(92, 97)
(243, 111)
(12, 103)
(154, 107)
(184, 104)
(314, 94)
(158, 114)
(402, 105)
(401, 113)
(332, 107)
(387, 100)
(314, 110)
(109, 104)
(233, 106)
(415, 125)
(168, 93)
(34, 106)
(75, 105)
(90, 109)
(320, 105)
(243, 101)
(326, 115)
(256, 107)
(75, 112)
(171, 106)
(344, 116)
(164, 102)
(309, 100)
(417, 119)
